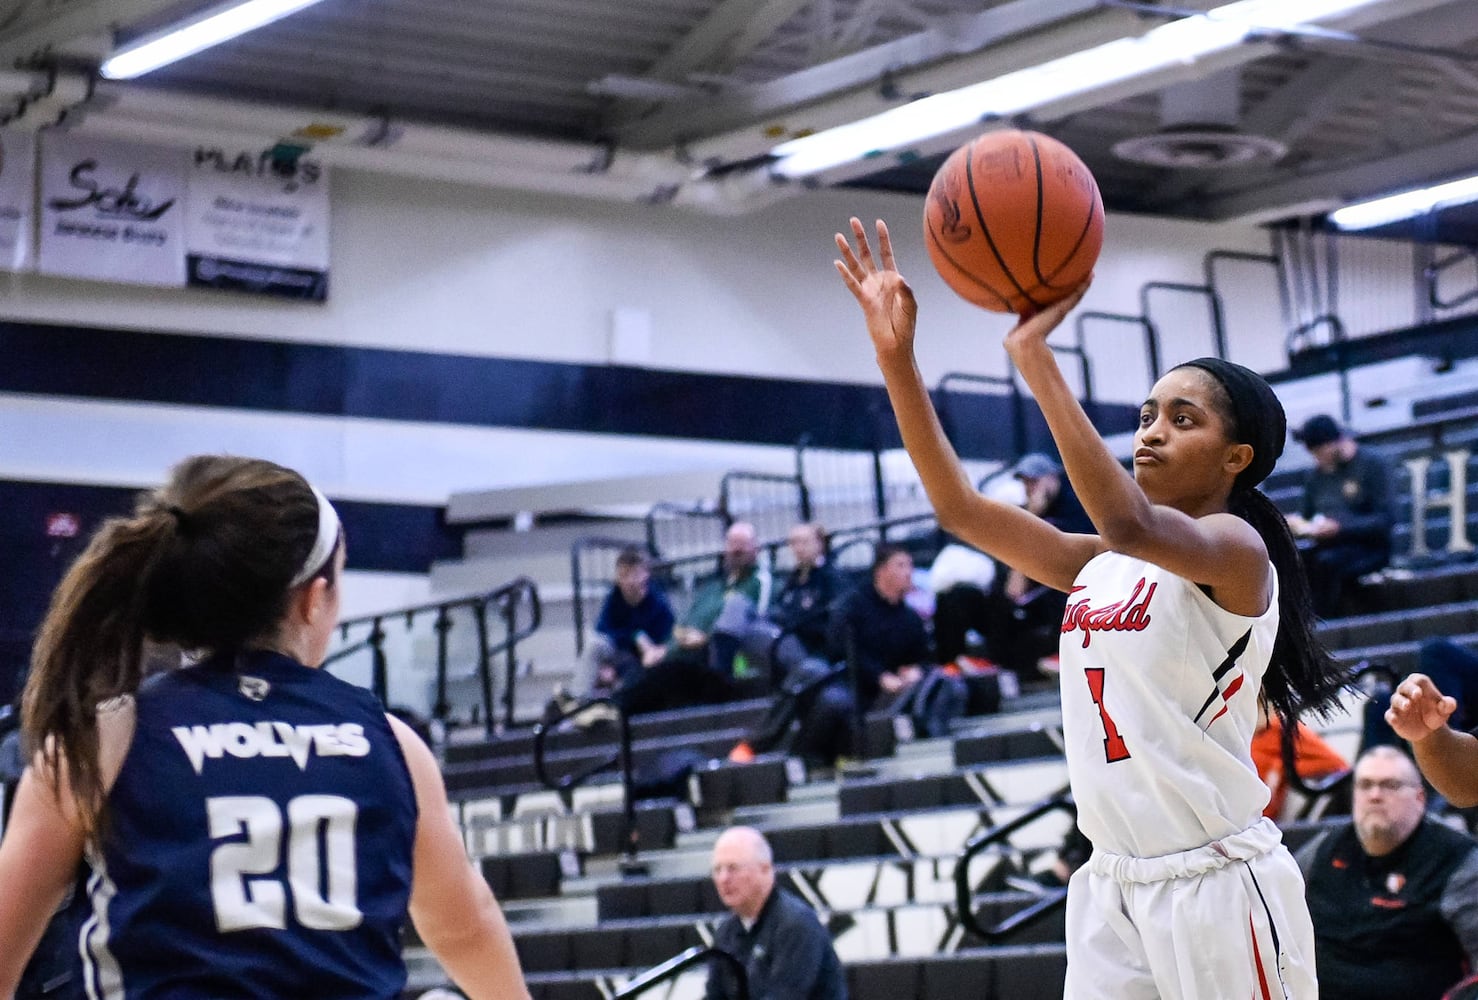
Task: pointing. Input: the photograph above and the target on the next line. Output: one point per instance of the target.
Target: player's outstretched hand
(886, 300)
(1035, 326)
(1418, 709)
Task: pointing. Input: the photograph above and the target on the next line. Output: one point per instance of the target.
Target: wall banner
(258, 221)
(111, 211)
(17, 199)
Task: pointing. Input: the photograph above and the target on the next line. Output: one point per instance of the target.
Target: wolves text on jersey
(271, 739)
(1129, 615)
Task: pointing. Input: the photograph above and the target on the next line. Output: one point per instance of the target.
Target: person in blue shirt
(255, 827)
(634, 625)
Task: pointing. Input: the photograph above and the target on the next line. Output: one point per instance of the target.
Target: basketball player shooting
(1186, 604)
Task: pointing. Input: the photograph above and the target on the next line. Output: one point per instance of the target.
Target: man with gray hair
(1393, 895)
(774, 935)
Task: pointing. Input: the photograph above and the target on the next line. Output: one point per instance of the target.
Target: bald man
(697, 666)
(783, 947)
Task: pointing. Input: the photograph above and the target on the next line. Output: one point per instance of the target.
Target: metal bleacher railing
(566, 784)
(1050, 899)
(512, 611)
(680, 963)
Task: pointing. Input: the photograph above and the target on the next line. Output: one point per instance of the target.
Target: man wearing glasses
(1393, 895)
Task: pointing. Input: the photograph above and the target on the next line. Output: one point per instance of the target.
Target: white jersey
(1159, 704)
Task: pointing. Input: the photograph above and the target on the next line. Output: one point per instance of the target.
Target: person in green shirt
(698, 663)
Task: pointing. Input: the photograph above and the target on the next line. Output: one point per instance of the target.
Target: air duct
(1199, 129)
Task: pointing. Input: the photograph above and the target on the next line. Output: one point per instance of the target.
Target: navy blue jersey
(259, 842)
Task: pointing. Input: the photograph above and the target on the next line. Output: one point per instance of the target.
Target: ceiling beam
(1318, 192)
(739, 106)
(730, 32)
(35, 37)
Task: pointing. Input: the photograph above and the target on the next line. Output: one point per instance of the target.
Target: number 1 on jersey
(1114, 747)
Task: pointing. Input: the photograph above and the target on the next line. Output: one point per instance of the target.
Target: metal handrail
(1213, 301)
(681, 962)
(1208, 269)
(508, 599)
(1151, 335)
(964, 893)
(566, 784)
(1433, 271)
(1337, 340)
(724, 489)
(1018, 405)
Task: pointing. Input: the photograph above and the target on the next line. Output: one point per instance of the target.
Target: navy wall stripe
(388, 537)
(122, 365)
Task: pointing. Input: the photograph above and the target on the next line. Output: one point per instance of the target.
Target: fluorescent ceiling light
(211, 27)
(1178, 43)
(1406, 205)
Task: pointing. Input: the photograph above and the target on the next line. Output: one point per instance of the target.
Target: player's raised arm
(1008, 533)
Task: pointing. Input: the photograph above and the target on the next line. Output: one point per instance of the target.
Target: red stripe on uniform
(1233, 687)
(1262, 977)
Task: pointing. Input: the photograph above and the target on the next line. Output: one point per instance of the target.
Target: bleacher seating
(873, 846)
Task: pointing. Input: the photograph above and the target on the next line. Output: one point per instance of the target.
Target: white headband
(323, 545)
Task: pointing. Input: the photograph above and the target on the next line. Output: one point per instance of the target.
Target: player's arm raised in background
(1447, 758)
(1008, 533)
(451, 905)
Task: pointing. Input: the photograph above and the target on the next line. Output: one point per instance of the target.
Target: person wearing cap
(1023, 617)
(1344, 526)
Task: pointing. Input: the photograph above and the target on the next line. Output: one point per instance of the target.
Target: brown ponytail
(203, 564)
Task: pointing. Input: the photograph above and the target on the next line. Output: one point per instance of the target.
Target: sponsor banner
(112, 211)
(17, 198)
(258, 221)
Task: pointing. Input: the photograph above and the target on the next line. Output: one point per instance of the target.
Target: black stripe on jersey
(1272, 924)
(1235, 653)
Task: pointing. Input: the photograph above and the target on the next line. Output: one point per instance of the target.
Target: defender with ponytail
(243, 793)
(1186, 604)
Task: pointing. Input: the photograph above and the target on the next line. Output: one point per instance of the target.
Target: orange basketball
(1013, 221)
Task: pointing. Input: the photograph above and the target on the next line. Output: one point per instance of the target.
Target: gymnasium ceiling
(681, 100)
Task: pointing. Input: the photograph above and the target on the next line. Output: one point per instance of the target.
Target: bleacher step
(784, 813)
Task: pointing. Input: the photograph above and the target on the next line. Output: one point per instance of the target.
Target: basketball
(1013, 221)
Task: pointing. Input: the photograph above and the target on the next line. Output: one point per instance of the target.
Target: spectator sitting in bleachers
(960, 577)
(1313, 758)
(887, 645)
(1024, 617)
(697, 665)
(1345, 523)
(786, 952)
(632, 631)
(1393, 895)
(801, 606)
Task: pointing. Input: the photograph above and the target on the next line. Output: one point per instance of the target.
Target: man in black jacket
(1393, 895)
(785, 951)
(1348, 510)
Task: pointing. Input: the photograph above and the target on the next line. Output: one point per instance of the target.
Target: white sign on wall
(258, 221)
(112, 211)
(17, 198)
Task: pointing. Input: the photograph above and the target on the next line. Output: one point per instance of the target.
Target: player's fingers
(844, 247)
(885, 247)
(853, 285)
(864, 250)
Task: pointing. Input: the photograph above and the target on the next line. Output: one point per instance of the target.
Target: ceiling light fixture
(208, 28)
(1406, 205)
(1176, 44)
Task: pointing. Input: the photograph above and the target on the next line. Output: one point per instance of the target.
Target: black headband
(1257, 416)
